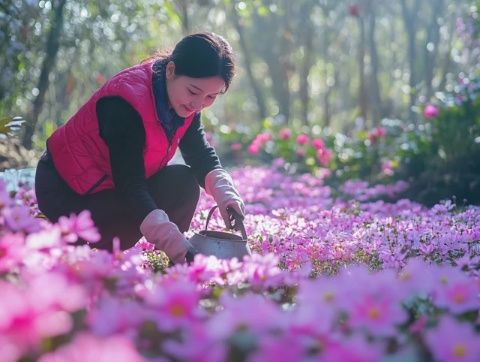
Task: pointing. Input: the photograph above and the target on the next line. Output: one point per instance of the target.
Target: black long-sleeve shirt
(121, 128)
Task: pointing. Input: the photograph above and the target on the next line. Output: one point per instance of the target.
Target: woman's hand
(219, 185)
(164, 234)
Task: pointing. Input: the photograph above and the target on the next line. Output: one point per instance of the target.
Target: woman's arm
(121, 128)
(197, 152)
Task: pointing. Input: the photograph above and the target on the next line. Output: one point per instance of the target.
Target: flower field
(336, 275)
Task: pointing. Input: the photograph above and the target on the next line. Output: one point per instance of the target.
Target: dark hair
(202, 55)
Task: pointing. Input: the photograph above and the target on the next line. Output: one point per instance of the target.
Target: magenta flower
(253, 149)
(12, 249)
(112, 316)
(387, 168)
(451, 340)
(261, 270)
(378, 314)
(237, 313)
(317, 143)
(19, 218)
(175, 304)
(455, 290)
(40, 310)
(323, 156)
(285, 134)
(78, 226)
(9, 350)
(319, 303)
(376, 133)
(88, 348)
(302, 139)
(431, 111)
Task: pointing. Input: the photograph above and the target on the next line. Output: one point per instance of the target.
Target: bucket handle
(234, 216)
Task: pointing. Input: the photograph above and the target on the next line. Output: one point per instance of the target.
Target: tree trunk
(376, 100)
(262, 109)
(362, 89)
(183, 5)
(48, 63)
(324, 55)
(307, 34)
(270, 29)
(410, 21)
(431, 48)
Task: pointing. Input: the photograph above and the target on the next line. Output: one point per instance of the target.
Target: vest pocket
(96, 184)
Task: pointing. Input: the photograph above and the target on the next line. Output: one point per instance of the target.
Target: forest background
(390, 87)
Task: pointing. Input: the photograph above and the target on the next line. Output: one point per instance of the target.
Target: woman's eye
(192, 92)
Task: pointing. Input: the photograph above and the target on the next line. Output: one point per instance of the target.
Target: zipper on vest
(96, 184)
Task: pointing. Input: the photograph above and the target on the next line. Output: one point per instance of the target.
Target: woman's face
(190, 95)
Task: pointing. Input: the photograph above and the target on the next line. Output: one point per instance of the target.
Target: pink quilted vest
(81, 156)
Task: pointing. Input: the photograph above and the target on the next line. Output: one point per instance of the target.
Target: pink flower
(317, 143)
(253, 149)
(12, 250)
(323, 156)
(89, 348)
(376, 133)
(285, 133)
(9, 350)
(455, 290)
(19, 218)
(453, 341)
(431, 111)
(319, 303)
(144, 245)
(40, 310)
(354, 10)
(378, 313)
(238, 313)
(79, 226)
(176, 304)
(113, 316)
(236, 147)
(387, 168)
(261, 270)
(263, 137)
(302, 139)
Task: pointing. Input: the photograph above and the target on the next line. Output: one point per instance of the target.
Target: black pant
(174, 188)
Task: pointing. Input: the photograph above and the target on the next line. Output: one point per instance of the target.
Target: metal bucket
(221, 244)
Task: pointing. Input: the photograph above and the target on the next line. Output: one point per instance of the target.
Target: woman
(111, 157)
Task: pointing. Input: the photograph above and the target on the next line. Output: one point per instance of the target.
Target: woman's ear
(170, 70)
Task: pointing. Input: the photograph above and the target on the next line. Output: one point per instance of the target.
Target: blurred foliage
(12, 153)
(101, 38)
(443, 157)
(439, 156)
(300, 68)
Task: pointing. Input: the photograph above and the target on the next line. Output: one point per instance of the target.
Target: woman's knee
(175, 179)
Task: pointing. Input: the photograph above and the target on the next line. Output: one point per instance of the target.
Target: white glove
(219, 184)
(164, 234)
